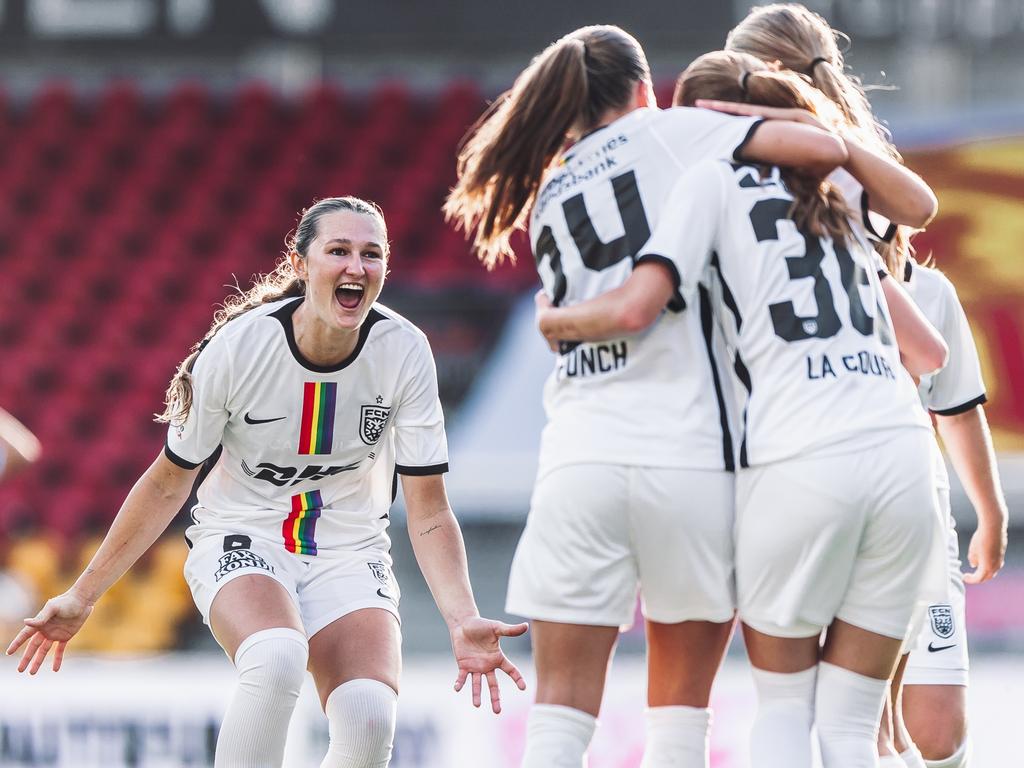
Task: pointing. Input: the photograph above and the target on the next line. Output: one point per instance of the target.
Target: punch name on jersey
(593, 359)
(863, 363)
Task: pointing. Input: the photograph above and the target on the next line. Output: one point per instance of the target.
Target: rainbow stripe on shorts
(299, 528)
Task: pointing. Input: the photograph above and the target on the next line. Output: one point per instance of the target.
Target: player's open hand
(52, 627)
(769, 113)
(478, 654)
(986, 553)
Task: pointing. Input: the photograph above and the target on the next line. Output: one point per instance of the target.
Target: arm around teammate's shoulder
(147, 511)
(922, 348)
(894, 191)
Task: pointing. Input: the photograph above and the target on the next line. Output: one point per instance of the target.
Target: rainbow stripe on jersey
(316, 435)
(299, 529)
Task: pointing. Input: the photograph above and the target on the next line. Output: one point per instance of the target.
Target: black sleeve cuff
(970, 405)
(176, 459)
(676, 303)
(432, 469)
(865, 216)
(737, 154)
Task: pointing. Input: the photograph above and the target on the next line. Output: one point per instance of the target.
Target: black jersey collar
(284, 316)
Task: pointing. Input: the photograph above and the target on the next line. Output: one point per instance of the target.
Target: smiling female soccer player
(318, 396)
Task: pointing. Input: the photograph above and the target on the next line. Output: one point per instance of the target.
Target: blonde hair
(803, 41)
(567, 88)
(817, 208)
(281, 283)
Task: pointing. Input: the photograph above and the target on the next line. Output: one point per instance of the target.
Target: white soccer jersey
(309, 452)
(805, 320)
(958, 387)
(651, 399)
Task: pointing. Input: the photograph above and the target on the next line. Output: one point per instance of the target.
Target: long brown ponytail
(566, 88)
(818, 208)
(803, 41)
(281, 283)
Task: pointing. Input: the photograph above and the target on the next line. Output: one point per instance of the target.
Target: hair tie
(815, 62)
(743, 81)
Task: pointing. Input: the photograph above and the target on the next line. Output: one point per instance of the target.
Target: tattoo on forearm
(431, 529)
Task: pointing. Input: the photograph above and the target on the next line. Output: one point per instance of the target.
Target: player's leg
(864, 643)
(682, 523)
(356, 662)
(571, 662)
(895, 747)
(244, 588)
(257, 623)
(798, 524)
(785, 672)
(574, 574)
(935, 688)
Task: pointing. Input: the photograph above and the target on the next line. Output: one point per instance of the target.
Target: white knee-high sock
(891, 761)
(271, 666)
(781, 735)
(959, 759)
(912, 758)
(847, 710)
(361, 718)
(677, 737)
(557, 737)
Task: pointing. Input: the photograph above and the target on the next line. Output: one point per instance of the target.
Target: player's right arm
(669, 266)
(922, 348)
(147, 511)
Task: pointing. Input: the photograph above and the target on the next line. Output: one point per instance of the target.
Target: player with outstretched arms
(633, 486)
(812, 348)
(319, 398)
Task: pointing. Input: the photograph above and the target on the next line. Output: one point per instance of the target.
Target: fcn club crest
(942, 620)
(379, 571)
(372, 420)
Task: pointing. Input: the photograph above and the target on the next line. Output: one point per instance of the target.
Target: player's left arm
(666, 268)
(441, 553)
(623, 311)
(969, 445)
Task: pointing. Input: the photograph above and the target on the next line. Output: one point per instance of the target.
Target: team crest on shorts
(372, 420)
(942, 620)
(240, 558)
(380, 572)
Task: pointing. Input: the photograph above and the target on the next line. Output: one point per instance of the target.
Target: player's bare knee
(941, 739)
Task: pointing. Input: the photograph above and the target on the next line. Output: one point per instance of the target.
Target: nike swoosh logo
(250, 420)
(386, 596)
(936, 648)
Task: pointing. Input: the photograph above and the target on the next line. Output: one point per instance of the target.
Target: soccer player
(633, 484)
(934, 704)
(835, 507)
(318, 396)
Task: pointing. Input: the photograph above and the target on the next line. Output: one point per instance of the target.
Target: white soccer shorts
(598, 532)
(323, 588)
(939, 654)
(839, 536)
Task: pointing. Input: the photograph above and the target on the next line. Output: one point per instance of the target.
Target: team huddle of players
(735, 428)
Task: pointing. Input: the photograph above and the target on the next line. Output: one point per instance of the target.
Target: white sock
(781, 735)
(959, 759)
(847, 711)
(361, 718)
(271, 666)
(677, 737)
(891, 761)
(912, 758)
(557, 737)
